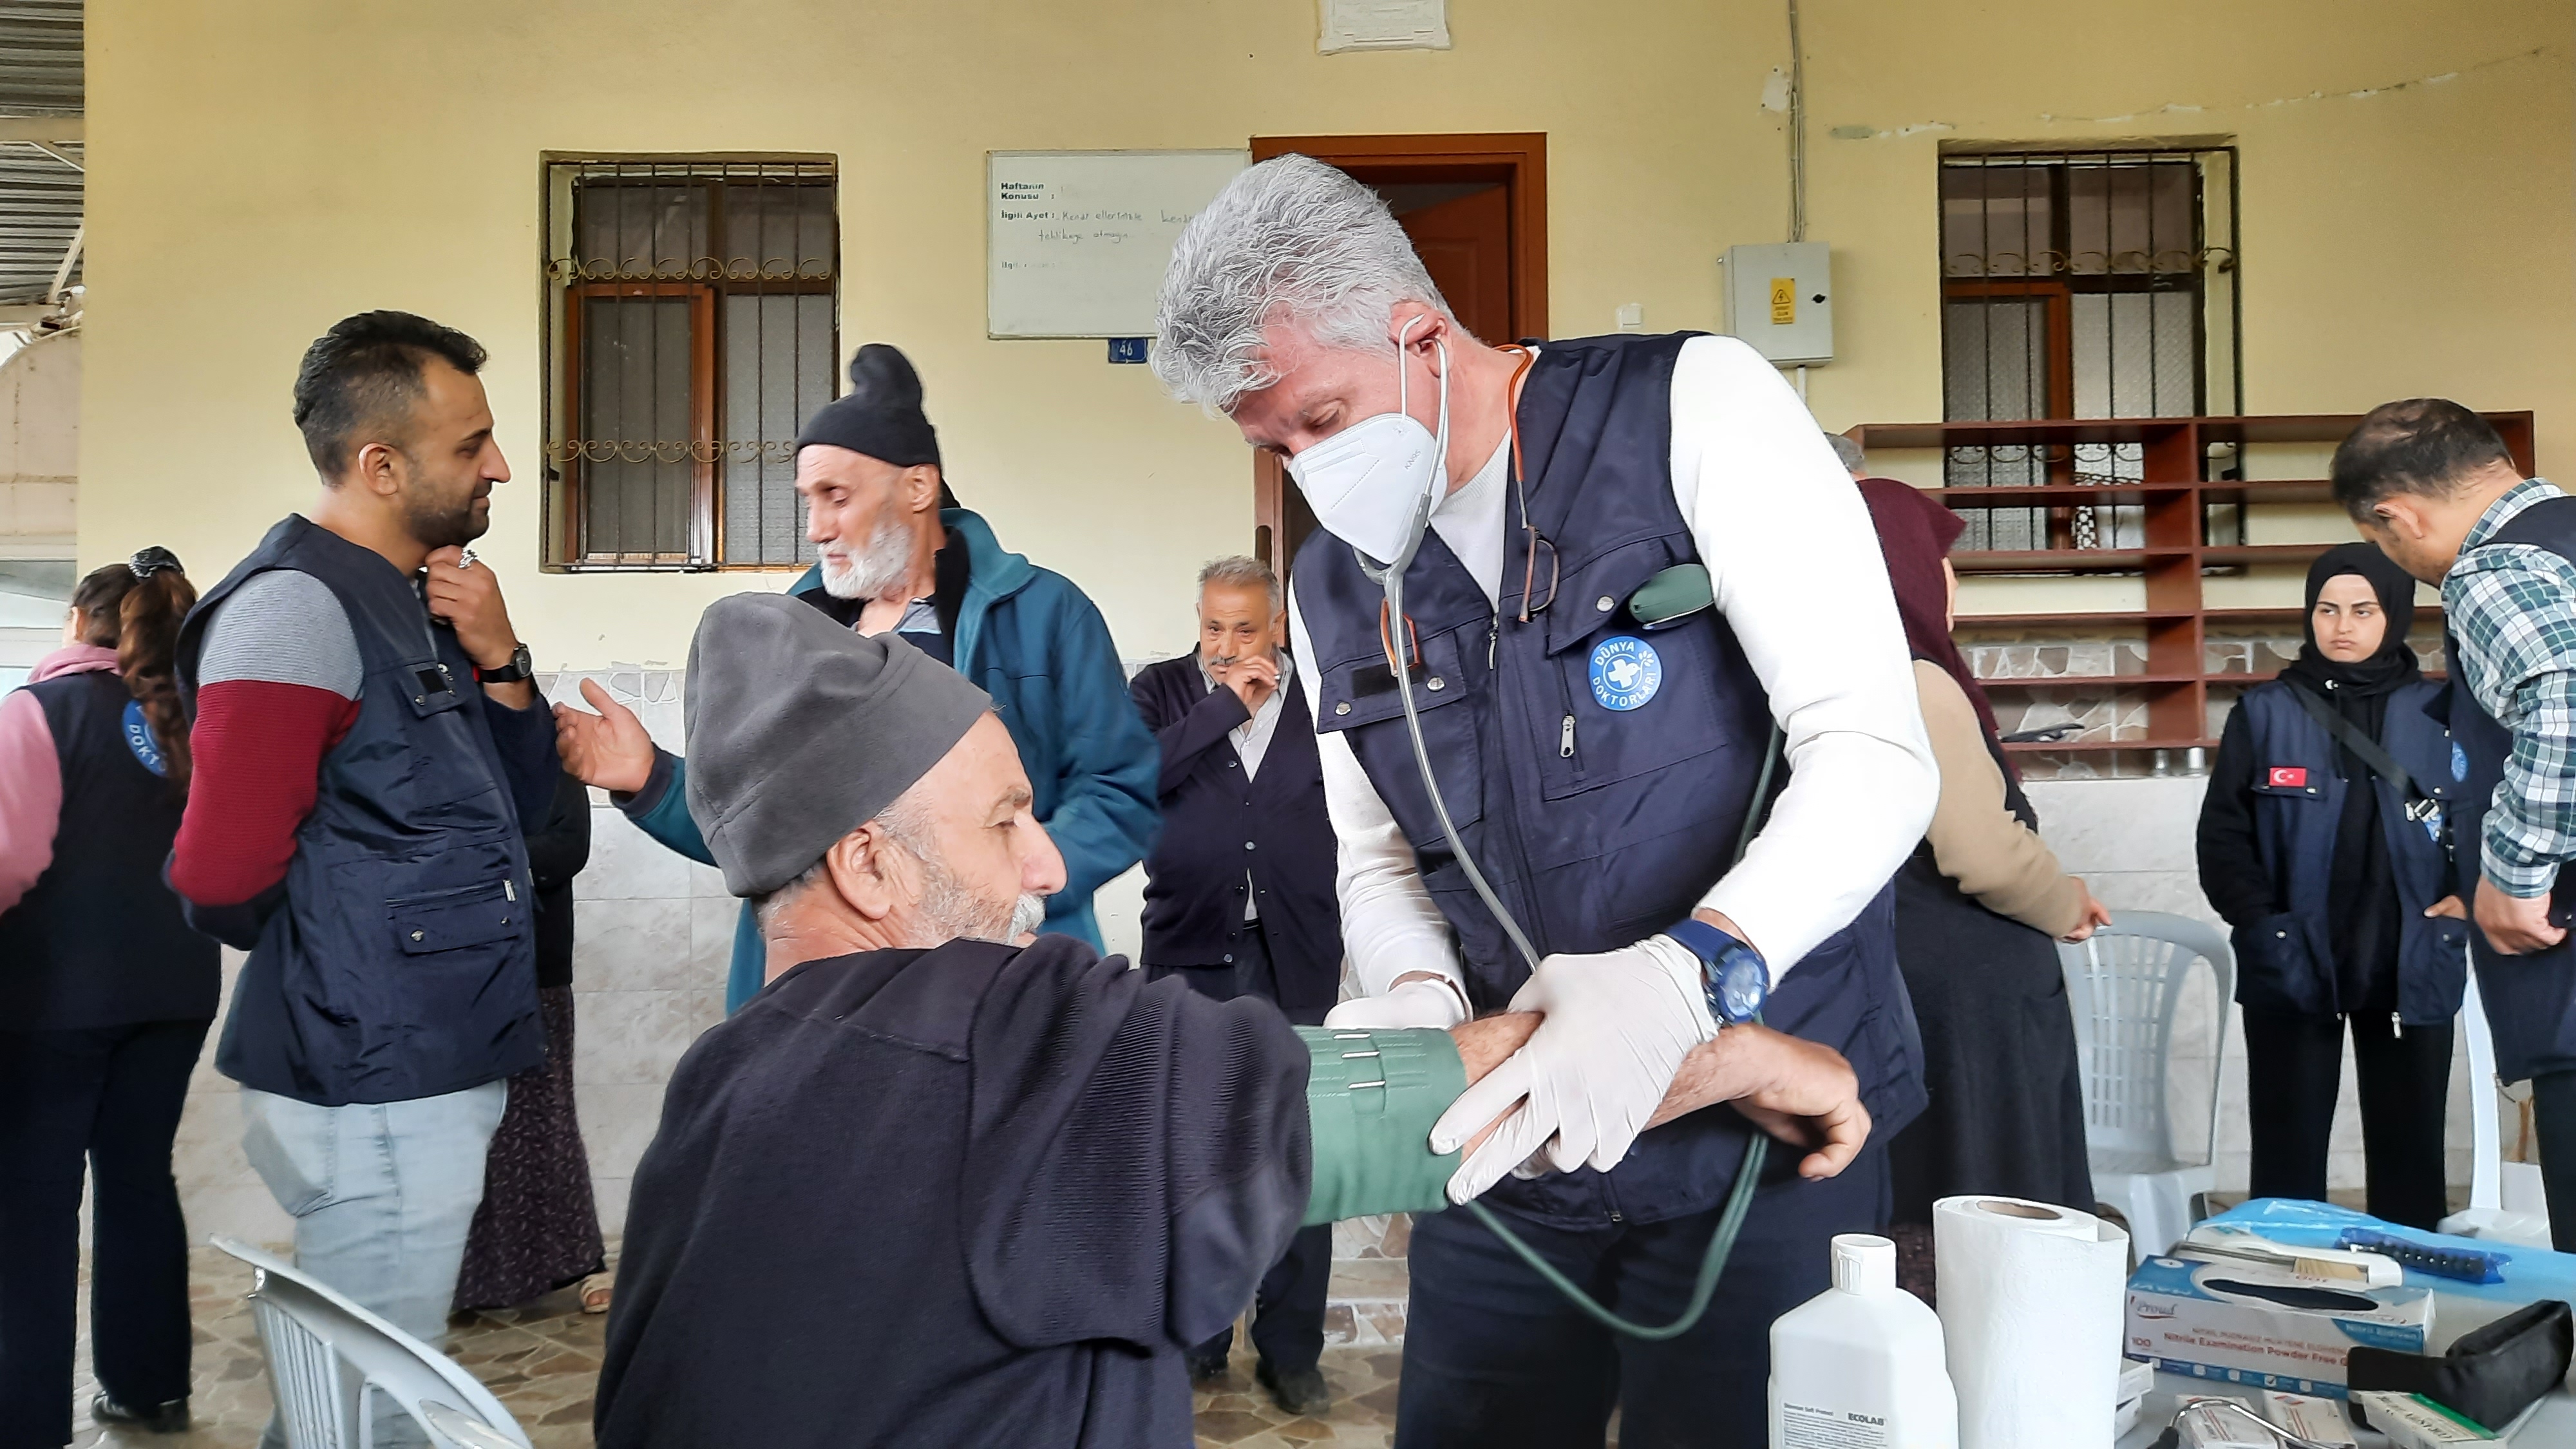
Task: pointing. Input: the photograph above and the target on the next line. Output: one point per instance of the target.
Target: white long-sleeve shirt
(1797, 572)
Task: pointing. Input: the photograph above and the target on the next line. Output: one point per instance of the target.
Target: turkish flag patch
(2289, 777)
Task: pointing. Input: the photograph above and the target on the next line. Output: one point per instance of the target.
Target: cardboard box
(2412, 1421)
(2317, 1420)
(2240, 1323)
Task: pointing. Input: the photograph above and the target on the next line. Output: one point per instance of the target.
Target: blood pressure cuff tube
(2490, 1374)
(1372, 1097)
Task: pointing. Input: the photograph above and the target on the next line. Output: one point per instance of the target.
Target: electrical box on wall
(1780, 298)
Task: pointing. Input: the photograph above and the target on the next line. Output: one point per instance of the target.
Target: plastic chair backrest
(2124, 986)
(325, 1353)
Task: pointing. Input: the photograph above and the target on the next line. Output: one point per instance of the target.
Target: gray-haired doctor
(1579, 586)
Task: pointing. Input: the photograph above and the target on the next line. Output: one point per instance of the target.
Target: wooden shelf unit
(2173, 499)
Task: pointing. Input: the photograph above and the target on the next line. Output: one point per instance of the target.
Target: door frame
(1518, 159)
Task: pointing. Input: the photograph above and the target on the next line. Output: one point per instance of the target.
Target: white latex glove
(1618, 1025)
(1435, 1002)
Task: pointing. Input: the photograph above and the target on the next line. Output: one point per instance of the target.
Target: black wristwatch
(521, 666)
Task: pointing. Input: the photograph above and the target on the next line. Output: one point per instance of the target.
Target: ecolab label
(1805, 1428)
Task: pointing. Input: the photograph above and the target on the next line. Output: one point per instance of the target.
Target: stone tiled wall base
(2021, 663)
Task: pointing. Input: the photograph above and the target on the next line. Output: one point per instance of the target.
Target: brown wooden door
(1476, 209)
(1465, 243)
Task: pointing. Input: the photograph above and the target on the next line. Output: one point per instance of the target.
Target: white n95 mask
(1371, 484)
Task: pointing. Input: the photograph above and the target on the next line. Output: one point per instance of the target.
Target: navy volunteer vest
(2530, 1000)
(1598, 807)
(402, 960)
(98, 940)
(2285, 962)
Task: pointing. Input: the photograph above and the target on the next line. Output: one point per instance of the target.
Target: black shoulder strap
(2366, 749)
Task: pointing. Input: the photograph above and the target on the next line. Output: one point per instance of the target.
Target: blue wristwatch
(1736, 977)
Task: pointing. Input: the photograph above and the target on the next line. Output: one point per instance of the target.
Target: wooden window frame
(2059, 331)
(565, 509)
(2063, 285)
(702, 414)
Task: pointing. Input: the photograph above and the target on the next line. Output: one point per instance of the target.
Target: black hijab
(2361, 893)
(2394, 663)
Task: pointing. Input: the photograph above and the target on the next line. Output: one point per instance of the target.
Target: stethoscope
(1389, 576)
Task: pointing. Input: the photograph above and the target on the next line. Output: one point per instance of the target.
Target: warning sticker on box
(1784, 301)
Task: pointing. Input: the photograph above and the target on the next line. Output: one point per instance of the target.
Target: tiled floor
(541, 1361)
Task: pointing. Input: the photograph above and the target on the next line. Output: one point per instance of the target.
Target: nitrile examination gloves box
(2241, 1323)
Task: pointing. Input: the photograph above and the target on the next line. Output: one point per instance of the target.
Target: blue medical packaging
(2525, 1274)
(2241, 1323)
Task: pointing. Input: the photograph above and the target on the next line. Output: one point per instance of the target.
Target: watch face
(1739, 984)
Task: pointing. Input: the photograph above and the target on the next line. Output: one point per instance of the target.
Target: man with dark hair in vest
(367, 743)
(2430, 483)
(1597, 576)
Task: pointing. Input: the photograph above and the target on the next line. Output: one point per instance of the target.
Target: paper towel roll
(2031, 1299)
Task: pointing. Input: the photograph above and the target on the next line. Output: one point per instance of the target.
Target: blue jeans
(382, 1195)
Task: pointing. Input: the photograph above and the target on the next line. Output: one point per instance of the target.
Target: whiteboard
(1076, 241)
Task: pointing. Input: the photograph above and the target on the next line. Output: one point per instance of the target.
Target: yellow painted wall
(259, 169)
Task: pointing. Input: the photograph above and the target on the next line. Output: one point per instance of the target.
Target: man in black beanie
(896, 553)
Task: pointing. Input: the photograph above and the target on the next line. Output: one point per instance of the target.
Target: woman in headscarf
(105, 997)
(1979, 907)
(2336, 878)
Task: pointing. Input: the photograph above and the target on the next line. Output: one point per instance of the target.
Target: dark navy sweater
(967, 1196)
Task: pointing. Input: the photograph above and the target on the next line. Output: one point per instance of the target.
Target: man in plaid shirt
(2432, 485)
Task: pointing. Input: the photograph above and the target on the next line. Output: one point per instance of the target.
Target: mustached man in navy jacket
(1239, 889)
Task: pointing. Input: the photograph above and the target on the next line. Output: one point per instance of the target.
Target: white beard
(1027, 916)
(956, 913)
(879, 566)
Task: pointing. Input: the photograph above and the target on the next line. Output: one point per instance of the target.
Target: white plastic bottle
(1861, 1365)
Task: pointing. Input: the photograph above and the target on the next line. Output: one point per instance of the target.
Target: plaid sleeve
(2516, 618)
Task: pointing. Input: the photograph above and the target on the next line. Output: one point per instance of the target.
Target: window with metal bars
(2091, 284)
(692, 327)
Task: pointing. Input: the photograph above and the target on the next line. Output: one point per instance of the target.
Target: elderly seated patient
(944, 1183)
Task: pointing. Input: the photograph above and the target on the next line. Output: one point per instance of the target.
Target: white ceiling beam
(41, 130)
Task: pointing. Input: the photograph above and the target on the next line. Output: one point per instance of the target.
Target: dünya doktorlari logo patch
(138, 738)
(1626, 672)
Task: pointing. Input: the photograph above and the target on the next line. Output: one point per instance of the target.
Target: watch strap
(1701, 939)
(520, 667)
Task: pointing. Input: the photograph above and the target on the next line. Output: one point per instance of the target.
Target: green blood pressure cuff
(1372, 1097)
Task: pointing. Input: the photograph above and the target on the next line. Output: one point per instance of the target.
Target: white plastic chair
(2124, 986)
(2504, 1203)
(325, 1353)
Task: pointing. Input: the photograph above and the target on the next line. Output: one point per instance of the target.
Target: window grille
(2094, 284)
(692, 328)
